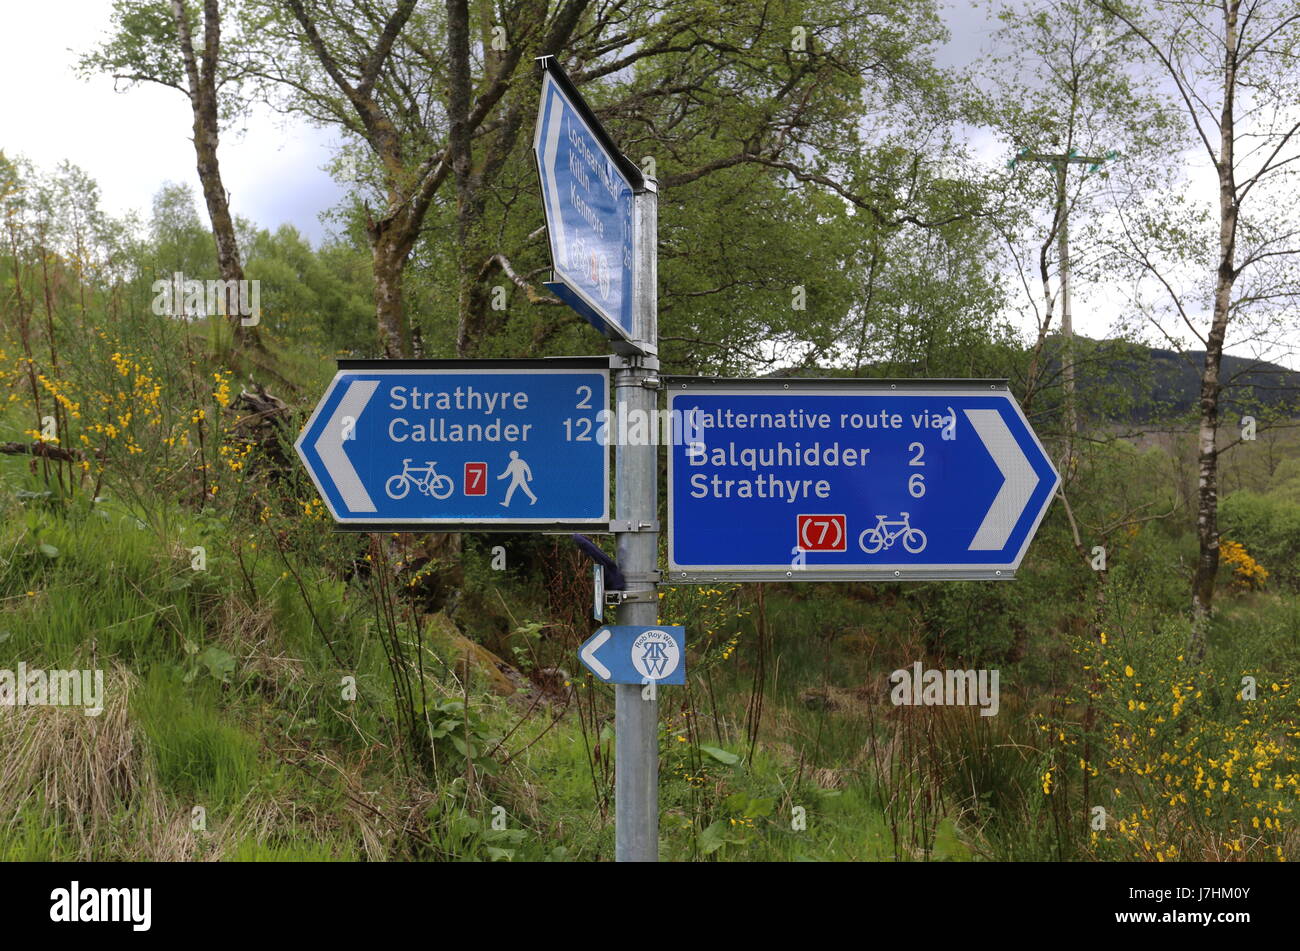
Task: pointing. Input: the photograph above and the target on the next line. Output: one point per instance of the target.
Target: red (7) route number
(822, 533)
(476, 478)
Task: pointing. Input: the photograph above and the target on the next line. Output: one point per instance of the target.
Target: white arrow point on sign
(589, 653)
(1018, 480)
(330, 446)
(550, 153)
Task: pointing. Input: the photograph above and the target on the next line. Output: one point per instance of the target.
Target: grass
(229, 691)
(200, 754)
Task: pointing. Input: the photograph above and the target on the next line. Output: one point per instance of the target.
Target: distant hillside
(1119, 380)
(1123, 381)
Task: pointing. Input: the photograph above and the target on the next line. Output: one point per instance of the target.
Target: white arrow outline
(549, 153)
(1019, 480)
(329, 446)
(588, 654)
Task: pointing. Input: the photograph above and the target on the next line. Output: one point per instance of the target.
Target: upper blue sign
(513, 444)
(588, 202)
(852, 479)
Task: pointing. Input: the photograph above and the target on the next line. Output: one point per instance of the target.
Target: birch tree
(1232, 66)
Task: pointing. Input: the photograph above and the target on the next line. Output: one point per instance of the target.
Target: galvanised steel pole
(636, 708)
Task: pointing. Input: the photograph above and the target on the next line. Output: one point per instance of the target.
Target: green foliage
(978, 624)
(315, 299)
(1285, 481)
(199, 754)
(737, 827)
(459, 834)
(251, 850)
(1185, 765)
(1269, 527)
(32, 838)
(461, 736)
(947, 846)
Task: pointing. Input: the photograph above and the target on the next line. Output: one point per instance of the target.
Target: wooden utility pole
(1061, 162)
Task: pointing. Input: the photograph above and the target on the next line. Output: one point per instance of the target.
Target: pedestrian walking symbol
(520, 475)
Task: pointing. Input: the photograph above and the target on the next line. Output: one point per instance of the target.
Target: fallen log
(43, 449)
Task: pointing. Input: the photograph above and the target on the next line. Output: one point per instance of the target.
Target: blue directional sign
(494, 445)
(630, 654)
(851, 479)
(587, 188)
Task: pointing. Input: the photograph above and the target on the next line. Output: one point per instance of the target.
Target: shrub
(1185, 767)
(1269, 528)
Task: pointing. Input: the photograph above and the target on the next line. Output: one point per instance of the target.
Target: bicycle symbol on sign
(424, 478)
(879, 536)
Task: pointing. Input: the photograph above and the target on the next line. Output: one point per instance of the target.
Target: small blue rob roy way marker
(637, 654)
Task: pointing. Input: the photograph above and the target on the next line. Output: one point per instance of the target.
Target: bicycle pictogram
(879, 536)
(425, 478)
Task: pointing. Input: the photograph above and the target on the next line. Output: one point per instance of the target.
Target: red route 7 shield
(821, 533)
(476, 478)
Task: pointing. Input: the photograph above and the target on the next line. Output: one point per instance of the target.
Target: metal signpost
(601, 218)
(850, 479)
(491, 445)
(844, 479)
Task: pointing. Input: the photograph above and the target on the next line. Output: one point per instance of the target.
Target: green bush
(1269, 527)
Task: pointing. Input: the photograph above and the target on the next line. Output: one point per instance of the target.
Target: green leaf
(219, 663)
(463, 826)
(721, 755)
(713, 837)
(947, 847)
(449, 725)
(49, 551)
(513, 836)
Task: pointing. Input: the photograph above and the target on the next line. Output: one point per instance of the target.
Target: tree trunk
(388, 255)
(1207, 489)
(223, 227)
(202, 80)
(1207, 515)
(474, 299)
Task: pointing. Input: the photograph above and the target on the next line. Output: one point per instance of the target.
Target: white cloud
(132, 142)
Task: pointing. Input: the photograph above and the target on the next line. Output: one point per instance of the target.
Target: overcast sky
(131, 142)
(134, 141)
